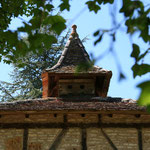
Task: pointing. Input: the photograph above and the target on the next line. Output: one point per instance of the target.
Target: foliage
(27, 83)
(12, 46)
(144, 94)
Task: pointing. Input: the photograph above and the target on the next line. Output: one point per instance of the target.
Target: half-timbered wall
(74, 131)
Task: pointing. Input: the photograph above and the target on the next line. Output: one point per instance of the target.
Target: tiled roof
(73, 55)
(74, 103)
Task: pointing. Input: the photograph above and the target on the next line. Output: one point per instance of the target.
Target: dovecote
(63, 79)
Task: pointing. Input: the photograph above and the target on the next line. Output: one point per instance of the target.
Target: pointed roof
(73, 55)
(74, 52)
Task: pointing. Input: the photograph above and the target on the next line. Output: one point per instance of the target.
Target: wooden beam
(25, 139)
(140, 141)
(84, 75)
(106, 84)
(84, 141)
(65, 119)
(99, 119)
(58, 140)
(72, 125)
(108, 140)
(125, 112)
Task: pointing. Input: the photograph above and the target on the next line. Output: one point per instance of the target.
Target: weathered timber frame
(72, 125)
(65, 125)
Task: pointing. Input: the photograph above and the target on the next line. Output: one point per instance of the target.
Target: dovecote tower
(66, 79)
(75, 122)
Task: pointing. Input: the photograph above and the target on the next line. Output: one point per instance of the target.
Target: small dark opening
(0, 116)
(69, 86)
(110, 115)
(137, 115)
(82, 115)
(55, 115)
(27, 115)
(65, 118)
(99, 116)
(82, 86)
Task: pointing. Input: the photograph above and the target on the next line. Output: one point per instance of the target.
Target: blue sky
(88, 23)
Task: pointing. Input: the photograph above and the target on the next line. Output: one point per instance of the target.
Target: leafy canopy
(12, 46)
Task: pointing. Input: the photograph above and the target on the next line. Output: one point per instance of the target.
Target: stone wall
(74, 132)
(11, 139)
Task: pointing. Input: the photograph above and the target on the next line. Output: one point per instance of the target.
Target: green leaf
(99, 39)
(93, 6)
(144, 54)
(99, 1)
(57, 23)
(121, 76)
(139, 70)
(96, 33)
(108, 1)
(7, 61)
(36, 22)
(104, 1)
(39, 3)
(148, 108)
(49, 7)
(53, 19)
(130, 25)
(37, 12)
(144, 98)
(136, 51)
(48, 40)
(64, 5)
(58, 27)
(129, 7)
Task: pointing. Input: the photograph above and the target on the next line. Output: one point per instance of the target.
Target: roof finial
(74, 27)
(74, 32)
